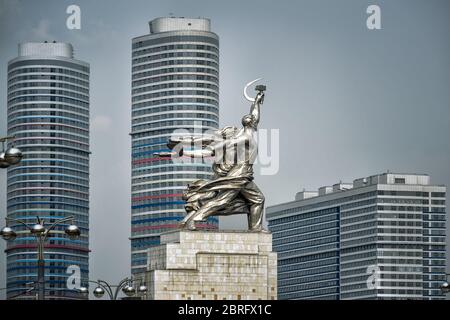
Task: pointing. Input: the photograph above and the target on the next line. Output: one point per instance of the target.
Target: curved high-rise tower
(175, 85)
(48, 113)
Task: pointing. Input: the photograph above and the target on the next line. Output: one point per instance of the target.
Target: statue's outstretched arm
(198, 153)
(192, 153)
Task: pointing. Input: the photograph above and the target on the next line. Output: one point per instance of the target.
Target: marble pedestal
(212, 265)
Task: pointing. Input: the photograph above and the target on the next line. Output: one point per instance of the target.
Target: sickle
(245, 90)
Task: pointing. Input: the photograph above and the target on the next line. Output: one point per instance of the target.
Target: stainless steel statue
(232, 189)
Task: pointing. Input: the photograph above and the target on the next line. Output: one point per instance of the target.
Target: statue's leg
(255, 198)
(212, 206)
(187, 221)
(190, 225)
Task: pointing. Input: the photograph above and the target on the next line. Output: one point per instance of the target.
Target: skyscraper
(175, 86)
(380, 237)
(48, 113)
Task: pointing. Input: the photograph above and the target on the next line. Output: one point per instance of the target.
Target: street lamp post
(445, 287)
(24, 292)
(9, 156)
(127, 286)
(41, 233)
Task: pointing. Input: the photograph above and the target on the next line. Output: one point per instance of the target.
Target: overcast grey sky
(349, 102)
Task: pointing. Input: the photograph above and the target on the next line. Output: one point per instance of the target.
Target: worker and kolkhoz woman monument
(231, 189)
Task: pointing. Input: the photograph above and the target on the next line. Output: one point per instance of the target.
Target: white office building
(380, 237)
(175, 88)
(48, 113)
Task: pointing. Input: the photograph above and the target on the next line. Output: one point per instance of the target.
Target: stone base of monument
(212, 265)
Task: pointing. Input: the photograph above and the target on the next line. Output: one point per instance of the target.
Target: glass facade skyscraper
(175, 86)
(380, 237)
(48, 113)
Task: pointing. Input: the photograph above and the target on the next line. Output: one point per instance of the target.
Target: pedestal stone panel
(212, 265)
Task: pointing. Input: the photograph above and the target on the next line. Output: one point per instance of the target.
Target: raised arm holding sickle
(212, 143)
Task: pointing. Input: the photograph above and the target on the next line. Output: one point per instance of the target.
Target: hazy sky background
(349, 102)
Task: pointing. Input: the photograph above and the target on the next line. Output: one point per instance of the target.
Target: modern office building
(175, 89)
(380, 237)
(48, 113)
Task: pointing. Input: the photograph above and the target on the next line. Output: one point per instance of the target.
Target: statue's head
(248, 121)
